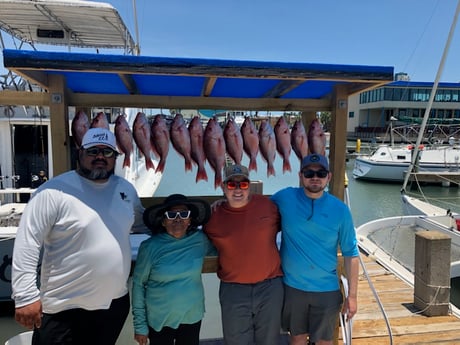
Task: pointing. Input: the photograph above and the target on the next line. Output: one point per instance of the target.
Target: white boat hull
(383, 240)
(389, 164)
(414, 206)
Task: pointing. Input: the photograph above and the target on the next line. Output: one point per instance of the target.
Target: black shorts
(80, 326)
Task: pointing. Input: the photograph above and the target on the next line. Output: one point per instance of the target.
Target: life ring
(8, 111)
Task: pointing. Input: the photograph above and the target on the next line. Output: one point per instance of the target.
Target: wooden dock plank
(407, 325)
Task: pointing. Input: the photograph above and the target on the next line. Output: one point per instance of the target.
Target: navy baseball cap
(315, 158)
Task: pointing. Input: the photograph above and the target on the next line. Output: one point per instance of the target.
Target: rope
(432, 300)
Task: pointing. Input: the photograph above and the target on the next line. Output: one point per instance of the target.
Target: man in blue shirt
(315, 224)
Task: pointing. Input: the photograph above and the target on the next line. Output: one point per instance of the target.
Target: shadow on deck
(283, 341)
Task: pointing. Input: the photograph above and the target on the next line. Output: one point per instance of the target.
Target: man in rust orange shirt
(243, 228)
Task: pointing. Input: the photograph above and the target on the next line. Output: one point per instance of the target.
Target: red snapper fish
(283, 142)
(80, 124)
(141, 135)
(180, 138)
(159, 138)
(100, 121)
(196, 131)
(233, 141)
(214, 148)
(299, 139)
(316, 138)
(124, 138)
(267, 144)
(250, 142)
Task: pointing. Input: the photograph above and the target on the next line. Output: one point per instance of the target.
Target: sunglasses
(313, 173)
(174, 214)
(232, 185)
(94, 151)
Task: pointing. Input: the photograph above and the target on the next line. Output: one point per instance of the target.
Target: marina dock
(445, 178)
(406, 323)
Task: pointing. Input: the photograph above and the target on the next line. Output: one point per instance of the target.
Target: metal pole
(137, 49)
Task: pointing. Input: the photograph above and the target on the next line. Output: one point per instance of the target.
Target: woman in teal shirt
(168, 294)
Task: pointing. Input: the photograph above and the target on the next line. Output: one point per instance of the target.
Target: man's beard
(96, 174)
(315, 188)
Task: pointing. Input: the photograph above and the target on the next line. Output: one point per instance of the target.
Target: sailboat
(391, 240)
(413, 205)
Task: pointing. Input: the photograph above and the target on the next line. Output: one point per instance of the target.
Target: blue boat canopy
(192, 83)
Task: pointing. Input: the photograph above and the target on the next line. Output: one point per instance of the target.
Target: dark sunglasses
(313, 173)
(94, 151)
(174, 214)
(243, 185)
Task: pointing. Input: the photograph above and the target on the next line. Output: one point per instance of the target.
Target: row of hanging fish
(198, 144)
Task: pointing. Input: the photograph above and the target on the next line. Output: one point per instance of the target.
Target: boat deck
(406, 324)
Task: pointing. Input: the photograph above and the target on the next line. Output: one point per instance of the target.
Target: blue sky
(409, 35)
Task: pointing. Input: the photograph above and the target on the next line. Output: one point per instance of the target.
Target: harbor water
(368, 201)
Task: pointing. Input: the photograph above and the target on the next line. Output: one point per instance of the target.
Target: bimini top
(72, 23)
(190, 83)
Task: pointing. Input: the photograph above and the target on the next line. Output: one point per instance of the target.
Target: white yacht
(390, 163)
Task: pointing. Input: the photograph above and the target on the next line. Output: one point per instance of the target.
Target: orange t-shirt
(245, 239)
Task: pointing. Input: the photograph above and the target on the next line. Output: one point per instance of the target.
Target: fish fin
(270, 170)
(286, 165)
(149, 164)
(201, 174)
(217, 179)
(252, 164)
(126, 161)
(188, 164)
(161, 166)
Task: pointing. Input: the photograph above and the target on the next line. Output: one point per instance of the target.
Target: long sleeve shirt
(167, 286)
(312, 232)
(80, 230)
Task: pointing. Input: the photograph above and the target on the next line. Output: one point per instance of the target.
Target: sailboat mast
(431, 99)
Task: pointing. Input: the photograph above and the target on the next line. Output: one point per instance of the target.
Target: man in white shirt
(78, 225)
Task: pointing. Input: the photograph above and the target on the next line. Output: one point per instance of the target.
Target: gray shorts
(251, 313)
(313, 313)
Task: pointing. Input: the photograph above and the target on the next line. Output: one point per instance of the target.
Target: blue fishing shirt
(312, 231)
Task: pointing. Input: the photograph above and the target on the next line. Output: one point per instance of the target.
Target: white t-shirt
(82, 228)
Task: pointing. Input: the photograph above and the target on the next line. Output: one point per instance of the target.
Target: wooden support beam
(59, 122)
(338, 141)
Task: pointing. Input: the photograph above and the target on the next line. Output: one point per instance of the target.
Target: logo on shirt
(124, 196)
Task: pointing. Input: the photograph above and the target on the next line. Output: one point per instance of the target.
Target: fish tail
(217, 179)
(126, 161)
(286, 165)
(161, 166)
(270, 170)
(188, 164)
(148, 163)
(201, 174)
(252, 164)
